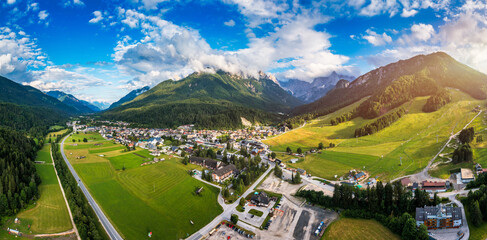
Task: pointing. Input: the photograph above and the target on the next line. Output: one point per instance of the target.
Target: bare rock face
(342, 83)
(311, 91)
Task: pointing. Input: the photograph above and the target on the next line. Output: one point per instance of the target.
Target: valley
(413, 139)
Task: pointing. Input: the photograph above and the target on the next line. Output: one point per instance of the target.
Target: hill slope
(207, 100)
(129, 97)
(68, 99)
(422, 75)
(13, 92)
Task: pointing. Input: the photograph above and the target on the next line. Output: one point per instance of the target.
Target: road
(107, 225)
(227, 210)
(451, 196)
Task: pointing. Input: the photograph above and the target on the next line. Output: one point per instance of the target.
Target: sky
(101, 50)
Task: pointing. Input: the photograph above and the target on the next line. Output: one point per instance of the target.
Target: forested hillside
(207, 100)
(13, 92)
(18, 176)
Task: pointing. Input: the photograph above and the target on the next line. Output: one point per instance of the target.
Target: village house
(260, 199)
(205, 162)
(432, 187)
(435, 217)
(224, 173)
(466, 175)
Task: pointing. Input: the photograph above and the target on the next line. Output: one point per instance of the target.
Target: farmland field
(157, 198)
(50, 214)
(358, 229)
(413, 140)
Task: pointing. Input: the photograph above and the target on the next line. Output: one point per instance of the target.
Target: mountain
(219, 100)
(101, 104)
(129, 97)
(396, 83)
(309, 92)
(13, 92)
(81, 106)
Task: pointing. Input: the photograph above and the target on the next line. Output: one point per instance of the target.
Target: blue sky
(100, 50)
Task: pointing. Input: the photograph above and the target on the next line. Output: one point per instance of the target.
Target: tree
(226, 193)
(475, 214)
(288, 150)
(423, 233)
(466, 135)
(85, 140)
(242, 201)
(185, 160)
(299, 151)
(296, 179)
(234, 218)
(409, 231)
(320, 146)
(278, 171)
(273, 155)
(74, 140)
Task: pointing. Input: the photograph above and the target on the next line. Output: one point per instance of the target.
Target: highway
(107, 225)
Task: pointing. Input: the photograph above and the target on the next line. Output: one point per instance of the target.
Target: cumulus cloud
(229, 23)
(17, 52)
(464, 37)
(377, 39)
(54, 78)
(10, 2)
(43, 15)
(98, 17)
(171, 51)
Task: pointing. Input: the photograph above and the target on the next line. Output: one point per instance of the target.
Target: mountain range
(395, 83)
(312, 91)
(208, 100)
(81, 106)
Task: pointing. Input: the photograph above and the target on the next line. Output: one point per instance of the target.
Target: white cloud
(78, 2)
(43, 15)
(422, 31)
(377, 7)
(229, 23)
(408, 13)
(54, 78)
(377, 39)
(98, 17)
(171, 51)
(17, 52)
(10, 2)
(464, 37)
(151, 4)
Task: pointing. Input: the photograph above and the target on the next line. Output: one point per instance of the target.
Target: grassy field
(158, 197)
(415, 139)
(50, 214)
(358, 229)
(53, 135)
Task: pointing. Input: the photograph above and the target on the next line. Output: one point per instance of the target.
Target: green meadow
(50, 213)
(413, 140)
(158, 198)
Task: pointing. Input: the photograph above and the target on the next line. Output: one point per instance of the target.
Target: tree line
(476, 204)
(463, 153)
(435, 102)
(84, 217)
(391, 205)
(380, 123)
(343, 118)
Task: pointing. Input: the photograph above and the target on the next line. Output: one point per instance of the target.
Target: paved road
(227, 210)
(451, 196)
(107, 225)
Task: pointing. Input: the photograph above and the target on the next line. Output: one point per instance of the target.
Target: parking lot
(225, 232)
(291, 221)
